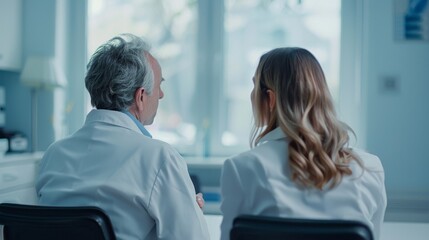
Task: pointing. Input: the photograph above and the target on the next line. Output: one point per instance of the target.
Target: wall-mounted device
(2, 107)
(4, 142)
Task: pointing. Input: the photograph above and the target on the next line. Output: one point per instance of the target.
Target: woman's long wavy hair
(304, 110)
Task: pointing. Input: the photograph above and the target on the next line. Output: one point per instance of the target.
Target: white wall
(397, 127)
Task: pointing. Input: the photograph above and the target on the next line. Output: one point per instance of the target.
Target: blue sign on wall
(411, 20)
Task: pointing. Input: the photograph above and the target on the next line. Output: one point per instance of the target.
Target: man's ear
(271, 99)
(139, 98)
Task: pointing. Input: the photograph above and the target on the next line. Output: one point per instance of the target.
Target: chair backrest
(196, 181)
(246, 227)
(48, 222)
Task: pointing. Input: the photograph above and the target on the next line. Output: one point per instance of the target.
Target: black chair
(247, 227)
(196, 181)
(47, 222)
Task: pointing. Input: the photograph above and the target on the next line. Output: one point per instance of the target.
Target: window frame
(210, 55)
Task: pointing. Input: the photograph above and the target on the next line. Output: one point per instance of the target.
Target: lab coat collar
(116, 118)
(275, 134)
(139, 124)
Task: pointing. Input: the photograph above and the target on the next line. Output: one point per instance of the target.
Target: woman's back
(258, 182)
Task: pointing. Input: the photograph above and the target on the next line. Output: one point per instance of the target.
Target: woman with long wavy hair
(300, 164)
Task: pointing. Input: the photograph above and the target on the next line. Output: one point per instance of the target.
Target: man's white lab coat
(141, 183)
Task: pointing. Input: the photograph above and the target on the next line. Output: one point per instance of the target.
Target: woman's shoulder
(243, 157)
(265, 156)
(370, 161)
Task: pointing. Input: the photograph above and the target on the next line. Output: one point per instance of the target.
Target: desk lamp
(40, 73)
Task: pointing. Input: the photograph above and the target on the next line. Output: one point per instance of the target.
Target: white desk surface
(16, 157)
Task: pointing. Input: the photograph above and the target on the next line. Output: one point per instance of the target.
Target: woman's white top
(142, 184)
(254, 182)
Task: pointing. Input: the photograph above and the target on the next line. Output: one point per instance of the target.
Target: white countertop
(13, 157)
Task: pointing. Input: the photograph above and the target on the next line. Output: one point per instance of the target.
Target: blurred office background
(377, 72)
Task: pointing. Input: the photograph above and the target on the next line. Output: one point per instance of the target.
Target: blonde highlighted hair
(304, 110)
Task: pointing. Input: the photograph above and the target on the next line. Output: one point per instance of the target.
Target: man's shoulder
(157, 144)
(155, 147)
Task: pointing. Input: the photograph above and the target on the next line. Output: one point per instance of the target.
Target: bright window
(209, 50)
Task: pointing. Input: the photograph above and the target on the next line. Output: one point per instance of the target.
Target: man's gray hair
(116, 70)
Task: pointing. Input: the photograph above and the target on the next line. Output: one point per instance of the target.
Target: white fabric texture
(141, 183)
(257, 182)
